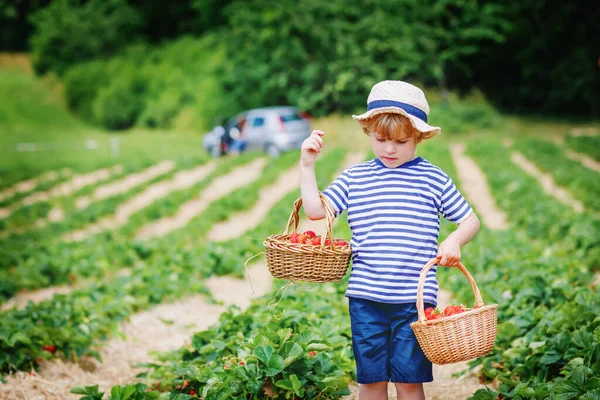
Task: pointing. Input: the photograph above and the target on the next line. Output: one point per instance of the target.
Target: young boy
(393, 204)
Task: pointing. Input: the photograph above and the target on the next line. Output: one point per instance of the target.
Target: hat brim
(420, 125)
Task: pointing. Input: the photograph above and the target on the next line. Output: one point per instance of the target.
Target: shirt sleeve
(337, 192)
(453, 205)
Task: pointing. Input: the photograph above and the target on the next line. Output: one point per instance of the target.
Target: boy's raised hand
(311, 148)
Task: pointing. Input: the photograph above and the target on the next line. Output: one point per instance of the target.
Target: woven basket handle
(425, 270)
(292, 225)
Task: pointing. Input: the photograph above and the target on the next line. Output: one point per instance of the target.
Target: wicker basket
(306, 262)
(459, 337)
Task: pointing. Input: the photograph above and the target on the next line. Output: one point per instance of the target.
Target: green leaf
(583, 339)
(275, 365)
(484, 394)
(592, 395)
(318, 347)
(284, 335)
(18, 337)
(263, 353)
(91, 392)
(296, 385)
(566, 390)
(290, 352)
(285, 384)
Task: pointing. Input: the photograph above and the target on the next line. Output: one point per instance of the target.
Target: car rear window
(293, 116)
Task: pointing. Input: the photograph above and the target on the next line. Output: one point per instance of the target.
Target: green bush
(118, 105)
(173, 85)
(71, 31)
(82, 83)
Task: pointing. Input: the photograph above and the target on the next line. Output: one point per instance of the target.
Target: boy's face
(393, 153)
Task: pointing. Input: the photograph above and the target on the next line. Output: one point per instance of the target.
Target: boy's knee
(409, 388)
(374, 389)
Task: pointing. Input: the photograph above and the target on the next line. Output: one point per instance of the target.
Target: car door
(255, 132)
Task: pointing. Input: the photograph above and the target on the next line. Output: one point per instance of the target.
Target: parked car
(271, 129)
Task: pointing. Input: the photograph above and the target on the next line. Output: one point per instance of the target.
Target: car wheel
(273, 150)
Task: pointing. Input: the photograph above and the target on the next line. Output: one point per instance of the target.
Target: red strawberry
(429, 313)
(316, 241)
(302, 239)
(453, 310)
(341, 243)
(312, 353)
(310, 234)
(49, 347)
(294, 239)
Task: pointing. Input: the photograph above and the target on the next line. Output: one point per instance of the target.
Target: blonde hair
(391, 126)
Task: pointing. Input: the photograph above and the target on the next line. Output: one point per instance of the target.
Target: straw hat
(400, 98)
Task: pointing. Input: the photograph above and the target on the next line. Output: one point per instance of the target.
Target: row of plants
(77, 323)
(42, 258)
(582, 182)
(532, 282)
(289, 344)
(10, 181)
(25, 216)
(589, 145)
(548, 343)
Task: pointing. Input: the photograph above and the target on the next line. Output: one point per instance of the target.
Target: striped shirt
(394, 217)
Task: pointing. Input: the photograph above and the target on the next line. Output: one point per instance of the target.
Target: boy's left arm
(449, 249)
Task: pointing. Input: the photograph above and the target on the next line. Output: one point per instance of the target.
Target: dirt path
(29, 184)
(583, 159)
(77, 182)
(220, 187)
(20, 300)
(125, 184)
(240, 223)
(57, 214)
(474, 184)
(181, 180)
(165, 327)
(585, 131)
(547, 182)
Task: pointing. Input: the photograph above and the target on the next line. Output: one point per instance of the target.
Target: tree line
(537, 57)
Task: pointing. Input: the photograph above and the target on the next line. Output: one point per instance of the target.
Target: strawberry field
(84, 255)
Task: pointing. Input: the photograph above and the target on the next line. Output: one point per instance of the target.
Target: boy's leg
(409, 391)
(409, 367)
(373, 391)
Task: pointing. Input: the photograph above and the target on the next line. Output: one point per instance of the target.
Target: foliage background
(181, 64)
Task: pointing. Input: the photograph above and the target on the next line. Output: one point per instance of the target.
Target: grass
(32, 111)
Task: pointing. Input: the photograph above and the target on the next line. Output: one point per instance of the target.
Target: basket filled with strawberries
(457, 333)
(305, 256)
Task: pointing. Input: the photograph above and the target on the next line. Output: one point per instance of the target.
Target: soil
(474, 185)
(547, 182)
(220, 187)
(181, 180)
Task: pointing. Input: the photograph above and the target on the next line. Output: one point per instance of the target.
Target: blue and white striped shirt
(394, 217)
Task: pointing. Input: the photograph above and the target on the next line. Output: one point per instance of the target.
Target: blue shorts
(385, 347)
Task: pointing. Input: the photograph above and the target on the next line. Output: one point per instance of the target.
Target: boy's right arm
(311, 201)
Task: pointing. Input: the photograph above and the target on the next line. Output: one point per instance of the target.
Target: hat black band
(412, 110)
